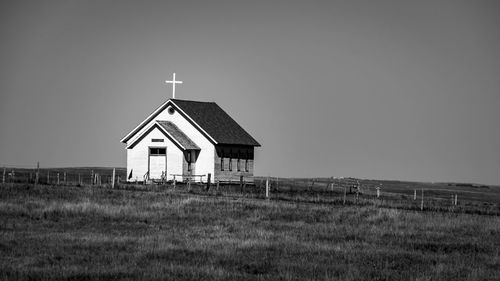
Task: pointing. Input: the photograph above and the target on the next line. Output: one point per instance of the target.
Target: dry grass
(70, 233)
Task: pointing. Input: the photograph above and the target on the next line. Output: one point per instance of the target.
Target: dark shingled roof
(178, 135)
(216, 122)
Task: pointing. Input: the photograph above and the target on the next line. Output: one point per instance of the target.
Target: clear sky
(397, 89)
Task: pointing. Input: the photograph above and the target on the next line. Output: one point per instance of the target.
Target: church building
(189, 139)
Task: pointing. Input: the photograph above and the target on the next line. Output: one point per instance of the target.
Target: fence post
(92, 177)
(174, 182)
(422, 202)
(209, 179)
(57, 178)
(64, 177)
(456, 199)
(3, 177)
(357, 192)
(48, 176)
(414, 195)
(267, 188)
(113, 180)
(378, 191)
(452, 199)
(37, 175)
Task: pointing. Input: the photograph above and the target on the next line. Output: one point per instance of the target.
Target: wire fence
(412, 196)
(336, 191)
(62, 176)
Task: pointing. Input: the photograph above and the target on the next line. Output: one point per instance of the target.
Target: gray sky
(374, 89)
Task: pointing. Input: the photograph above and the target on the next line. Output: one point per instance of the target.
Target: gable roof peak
(209, 118)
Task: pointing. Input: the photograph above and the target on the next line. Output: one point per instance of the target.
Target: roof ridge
(192, 101)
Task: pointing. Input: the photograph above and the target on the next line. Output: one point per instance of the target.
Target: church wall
(137, 157)
(205, 161)
(234, 175)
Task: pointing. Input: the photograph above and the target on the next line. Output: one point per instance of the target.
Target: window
(189, 161)
(171, 110)
(250, 153)
(157, 151)
(222, 163)
(246, 165)
(230, 164)
(156, 140)
(238, 165)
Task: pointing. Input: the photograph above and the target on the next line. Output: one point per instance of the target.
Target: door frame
(149, 158)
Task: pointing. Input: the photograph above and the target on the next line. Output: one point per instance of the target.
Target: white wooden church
(189, 139)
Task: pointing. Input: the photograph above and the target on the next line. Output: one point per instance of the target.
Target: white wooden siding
(137, 157)
(204, 163)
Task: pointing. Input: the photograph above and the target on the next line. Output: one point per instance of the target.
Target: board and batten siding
(234, 175)
(204, 163)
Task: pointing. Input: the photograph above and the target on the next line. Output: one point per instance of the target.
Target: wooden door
(157, 162)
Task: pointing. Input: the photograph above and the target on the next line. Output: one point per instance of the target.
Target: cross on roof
(173, 82)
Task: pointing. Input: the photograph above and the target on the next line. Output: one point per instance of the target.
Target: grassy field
(82, 233)
(471, 198)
